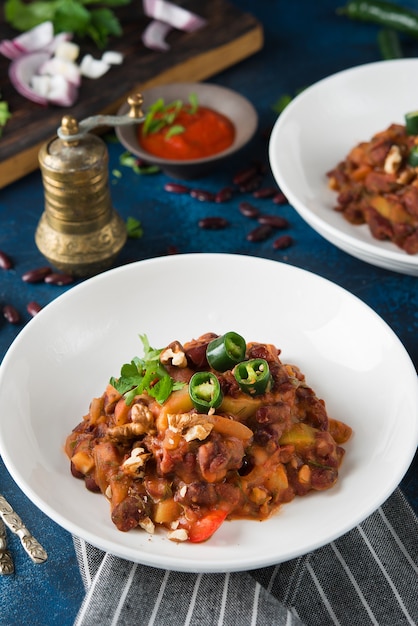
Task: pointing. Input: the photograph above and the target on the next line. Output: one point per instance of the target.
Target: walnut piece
(174, 354)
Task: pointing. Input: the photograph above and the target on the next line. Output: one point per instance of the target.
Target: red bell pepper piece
(204, 528)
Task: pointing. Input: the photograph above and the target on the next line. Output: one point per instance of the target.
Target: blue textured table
(305, 41)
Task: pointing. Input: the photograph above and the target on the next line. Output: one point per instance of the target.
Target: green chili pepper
(384, 13)
(205, 391)
(413, 157)
(411, 122)
(224, 352)
(389, 44)
(253, 376)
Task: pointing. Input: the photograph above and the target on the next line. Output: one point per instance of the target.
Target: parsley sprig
(161, 115)
(145, 374)
(74, 16)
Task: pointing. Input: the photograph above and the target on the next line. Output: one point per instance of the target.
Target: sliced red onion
(8, 49)
(67, 50)
(177, 17)
(112, 57)
(93, 68)
(36, 38)
(21, 71)
(61, 91)
(154, 35)
(55, 66)
(57, 41)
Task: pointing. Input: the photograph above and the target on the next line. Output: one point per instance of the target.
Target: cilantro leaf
(67, 16)
(145, 374)
(134, 228)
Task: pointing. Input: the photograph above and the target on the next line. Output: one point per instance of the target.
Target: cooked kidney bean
(224, 195)
(260, 233)
(11, 314)
(6, 262)
(176, 188)
(75, 472)
(265, 192)
(202, 195)
(91, 484)
(213, 223)
(55, 278)
(276, 221)
(248, 210)
(33, 308)
(285, 241)
(280, 198)
(36, 275)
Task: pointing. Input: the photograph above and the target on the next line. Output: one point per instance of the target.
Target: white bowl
(66, 354)
(317, 130)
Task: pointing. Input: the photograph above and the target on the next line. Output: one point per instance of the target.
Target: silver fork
(12, 520)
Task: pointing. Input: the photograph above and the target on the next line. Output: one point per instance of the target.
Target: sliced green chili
(413, 157)
(205, 391)
(224, 352)
(411, 122)
(253, 376)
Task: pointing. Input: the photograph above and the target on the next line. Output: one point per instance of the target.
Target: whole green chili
(389, 44)
(386, 14)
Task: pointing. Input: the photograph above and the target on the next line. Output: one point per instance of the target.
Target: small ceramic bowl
(230, 103)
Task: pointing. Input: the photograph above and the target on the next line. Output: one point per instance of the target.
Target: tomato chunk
(204, 528)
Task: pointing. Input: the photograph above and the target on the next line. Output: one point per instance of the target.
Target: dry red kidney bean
(265, 192)
(36, 275)
(280, 198)
(285, 241)
(251, 185)
(260, 233)
(11, 314)
(245, 175)
(6, 262)
(56, 278)
(224, 195)
(176, 188)
(202, 195)
(33, 308)
(213, 223)
(248, 210)
(273, 220)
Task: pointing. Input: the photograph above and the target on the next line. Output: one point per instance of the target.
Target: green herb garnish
(161, 115)
(67, 16)
(145, 374)
(5, 115)
(134, 228)
(129, 160)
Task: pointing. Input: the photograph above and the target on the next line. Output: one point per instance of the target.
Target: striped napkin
(368, 576)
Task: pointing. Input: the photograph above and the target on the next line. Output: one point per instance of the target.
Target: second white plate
(318, 129)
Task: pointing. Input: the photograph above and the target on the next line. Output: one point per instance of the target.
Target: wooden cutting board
(229, 36)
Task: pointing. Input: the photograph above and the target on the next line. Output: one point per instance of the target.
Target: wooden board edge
(26, 162)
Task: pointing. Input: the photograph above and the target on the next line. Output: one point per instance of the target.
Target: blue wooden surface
(305, 41)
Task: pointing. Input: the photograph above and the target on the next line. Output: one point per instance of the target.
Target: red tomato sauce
(206, 133)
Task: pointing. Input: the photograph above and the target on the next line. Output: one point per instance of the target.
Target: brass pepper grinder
(79, 232)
